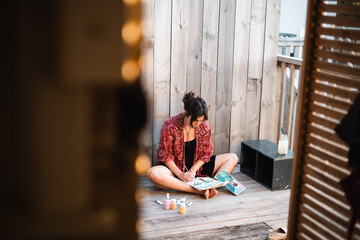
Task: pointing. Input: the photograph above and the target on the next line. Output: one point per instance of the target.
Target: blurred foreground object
(71, 111)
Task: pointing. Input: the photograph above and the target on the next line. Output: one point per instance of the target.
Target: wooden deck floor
(247, 216)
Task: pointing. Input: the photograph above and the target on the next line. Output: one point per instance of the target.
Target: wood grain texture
(282, 73)
(343, 57)
(341, 45)
(330, 100)
(347, 94)
(332, 218)
(179, 44)
(327, 156)
(286, 59)
(194, 49)
(329, 190)
(162, 68)
(249, 231)
(224, 76)
(323, 143)
(255, 74)
(336, 79)
(270, 92)
(240, 75)
(147, 74)
(339, 21)
(224, 211)
(305, 232)
(209, 59)
(290, 101)
(337, 115)
(338, 68)
(324, 166)
(316, 225)
(339, 9)
(206, 46)
(295, 216)
(352, 34)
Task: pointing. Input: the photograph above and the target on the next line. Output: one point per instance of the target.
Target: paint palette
(230, 182)
(203, 183)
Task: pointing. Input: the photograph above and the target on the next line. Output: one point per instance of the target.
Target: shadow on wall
(69, 122)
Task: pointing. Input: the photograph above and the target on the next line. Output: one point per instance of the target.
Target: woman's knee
(153, 174)
(234, 158)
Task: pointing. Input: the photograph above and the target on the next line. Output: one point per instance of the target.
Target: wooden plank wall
(225, 51)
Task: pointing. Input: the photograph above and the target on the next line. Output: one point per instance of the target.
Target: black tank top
(189, 153)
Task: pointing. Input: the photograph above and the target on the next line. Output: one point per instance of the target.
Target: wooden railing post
(282, 97)
(290, 102)
(286, 109)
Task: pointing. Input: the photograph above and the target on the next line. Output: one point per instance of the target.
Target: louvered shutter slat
(330, 81)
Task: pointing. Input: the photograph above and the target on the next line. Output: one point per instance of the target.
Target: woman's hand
(186, 176)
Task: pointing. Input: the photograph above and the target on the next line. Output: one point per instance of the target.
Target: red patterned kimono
(172, 145)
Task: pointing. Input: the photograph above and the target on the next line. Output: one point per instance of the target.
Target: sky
(293, 16)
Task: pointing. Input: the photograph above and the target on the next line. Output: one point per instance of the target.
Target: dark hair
(195, 106)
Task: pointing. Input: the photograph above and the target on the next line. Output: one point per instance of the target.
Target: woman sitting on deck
(185, 150)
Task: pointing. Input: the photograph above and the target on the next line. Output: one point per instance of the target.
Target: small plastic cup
(182, 208)
(173, 204)
(167, 204)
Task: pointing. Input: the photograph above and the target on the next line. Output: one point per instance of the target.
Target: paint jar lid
(167, 196)
(173, 200)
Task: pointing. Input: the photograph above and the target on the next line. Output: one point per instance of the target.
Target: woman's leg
(227, 161)
(163, 178)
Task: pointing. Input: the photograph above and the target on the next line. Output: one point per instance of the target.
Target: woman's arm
(184, 176)
(165, 151)
(196, 167)
(205, 148)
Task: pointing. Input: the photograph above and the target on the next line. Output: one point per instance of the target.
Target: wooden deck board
(256, 205)
(250, 231)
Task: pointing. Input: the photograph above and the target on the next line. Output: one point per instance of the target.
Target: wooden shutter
(330, 82)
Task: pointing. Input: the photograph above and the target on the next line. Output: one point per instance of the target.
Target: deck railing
(291, 46)
(289, 69)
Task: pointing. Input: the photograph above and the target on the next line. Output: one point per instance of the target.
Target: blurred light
(137, 226)
(141, 60)
(110, 215)
(131, 32)
(131, 2)
(130, 70)
(138, 197)
(142, 163)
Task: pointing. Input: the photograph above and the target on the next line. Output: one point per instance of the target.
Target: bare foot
(213, 192)
(206, 193)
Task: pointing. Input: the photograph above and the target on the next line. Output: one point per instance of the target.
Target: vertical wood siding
(225, 51)
(147, 73)
(224, 76)
(162, 67)
(209, 57)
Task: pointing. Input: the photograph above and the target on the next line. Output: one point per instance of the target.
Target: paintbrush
(188, 170)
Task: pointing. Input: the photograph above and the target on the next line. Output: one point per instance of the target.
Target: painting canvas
(203, 183)
(230, 182)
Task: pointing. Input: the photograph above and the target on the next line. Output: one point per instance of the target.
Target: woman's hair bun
(188, 97)
(194, 106)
